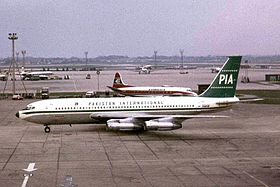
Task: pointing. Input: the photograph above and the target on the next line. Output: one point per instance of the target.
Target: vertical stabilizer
(118, 82)
(224, 84)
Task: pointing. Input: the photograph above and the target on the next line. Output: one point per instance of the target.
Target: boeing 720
(139, 113)
(146, 69)
(42, 75)
(124, 89)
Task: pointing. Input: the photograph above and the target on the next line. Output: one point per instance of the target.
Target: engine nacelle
(123, 124)
(162, 125)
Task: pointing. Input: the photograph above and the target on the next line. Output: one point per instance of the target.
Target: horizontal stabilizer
(250, 100)
(112, 88)
(239, 101)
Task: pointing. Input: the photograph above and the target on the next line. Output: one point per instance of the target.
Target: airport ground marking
(25, 181)
(68, 181)
(74, 81)
(29, 169)
(259, 181)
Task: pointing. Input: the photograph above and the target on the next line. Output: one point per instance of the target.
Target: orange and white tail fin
(118, 82)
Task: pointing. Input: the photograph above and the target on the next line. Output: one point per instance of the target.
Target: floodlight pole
(86, 54)
(182, 58)
(13, 37)
(17, 53)
(155, 52)
(23, 57)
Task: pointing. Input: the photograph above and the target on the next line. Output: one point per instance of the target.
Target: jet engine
(123, 124)
(163, 124)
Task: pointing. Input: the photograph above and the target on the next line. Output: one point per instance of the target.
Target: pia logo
(225, 79)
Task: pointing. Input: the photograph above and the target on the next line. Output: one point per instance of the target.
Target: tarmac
(242, 150)
(79, 83)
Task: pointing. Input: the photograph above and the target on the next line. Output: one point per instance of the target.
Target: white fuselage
(34, 73)
(41, 74)
(145, 90)
(80, 110)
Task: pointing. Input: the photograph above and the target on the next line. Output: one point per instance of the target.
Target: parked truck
(45, 93)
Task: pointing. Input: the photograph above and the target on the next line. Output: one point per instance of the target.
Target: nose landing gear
(47, 129)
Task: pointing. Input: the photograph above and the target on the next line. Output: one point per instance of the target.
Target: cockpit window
(26, 108)
(29, 107)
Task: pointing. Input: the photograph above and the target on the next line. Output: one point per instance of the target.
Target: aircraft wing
(122, 115)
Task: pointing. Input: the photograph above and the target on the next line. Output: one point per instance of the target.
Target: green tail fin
(224, 84)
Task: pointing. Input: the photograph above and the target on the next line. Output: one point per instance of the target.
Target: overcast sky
(66, 28)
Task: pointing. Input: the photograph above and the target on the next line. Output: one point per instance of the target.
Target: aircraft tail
(118, 82)
(224, 84)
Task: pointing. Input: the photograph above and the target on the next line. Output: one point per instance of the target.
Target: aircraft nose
(17, 114)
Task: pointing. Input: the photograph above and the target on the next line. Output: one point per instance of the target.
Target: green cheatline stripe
(126, 110)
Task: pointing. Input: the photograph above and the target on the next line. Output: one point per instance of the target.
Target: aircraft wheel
(47, 129)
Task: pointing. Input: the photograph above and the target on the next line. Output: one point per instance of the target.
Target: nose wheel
(47, 129)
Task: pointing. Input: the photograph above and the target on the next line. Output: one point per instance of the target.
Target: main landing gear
(47, 129)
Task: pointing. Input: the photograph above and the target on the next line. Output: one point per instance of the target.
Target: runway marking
(256, 179)
(107, 156)
(25, 181)
(25, 130)
(139, 167)
(29, 169)
(68, 182)
(74, 81)
(152, 151)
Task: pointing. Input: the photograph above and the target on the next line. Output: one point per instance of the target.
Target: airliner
(121, 88)
(215, 69)
(3, 77)
(139, 113)
(42, 75)
(146, 69)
